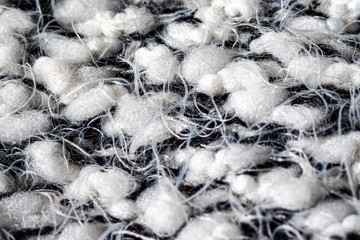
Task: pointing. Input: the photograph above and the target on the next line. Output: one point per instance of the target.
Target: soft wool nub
(109, 187)
(159, 63)
(162, 209)
(19, 127)
(210, 226)
(46, 159)
(27, 210)
(93, 102)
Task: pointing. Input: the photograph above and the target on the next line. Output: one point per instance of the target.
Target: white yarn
(279, 188)
(93, 102)
(243, 74)
(94, 183)
(280, 45)
(201, 119)
(213, 226)
(209, 59)
(162, 209)
(297, 117)
(322, 216)
(73, 11)
(185, 36)
(330, 149)
(16, 96)
(65, 49)
(11, 52)
(307, 69)
(27, 210)
(19, 127)
(140, 118)
(210, 84)
(15, 21)
(114, 25)
(158, 62)
(54, 74)
(242, 184)
(6, 183)
(254, 105)
(79, 231)
(47, 159)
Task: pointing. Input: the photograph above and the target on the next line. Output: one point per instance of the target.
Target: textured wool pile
(179, 119)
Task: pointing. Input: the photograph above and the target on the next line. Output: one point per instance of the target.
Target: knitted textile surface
(180, 119)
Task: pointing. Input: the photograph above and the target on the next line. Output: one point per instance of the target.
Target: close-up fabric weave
(179, 119)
